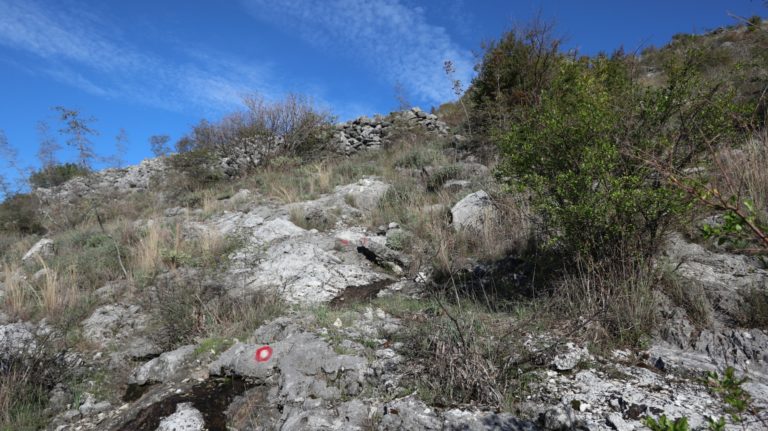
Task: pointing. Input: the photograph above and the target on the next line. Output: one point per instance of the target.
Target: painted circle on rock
(263, 354)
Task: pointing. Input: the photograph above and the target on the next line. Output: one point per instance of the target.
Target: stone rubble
(371, 133)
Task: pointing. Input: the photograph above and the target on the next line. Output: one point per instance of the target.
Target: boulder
(91, 407)
(43, 249)
(186, 418)
(568, 359)
(364, 194)
(120, 326)
(15, 339)
(473, 212)
(162, 368)
(409, 413)
(302, 271)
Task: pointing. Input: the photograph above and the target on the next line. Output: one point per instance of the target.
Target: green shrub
(198, 168)
(441, 176)
(591, 149)
(754, 23)
(57, 174)
(736, 399)
(512, 74)
(417, 158)
(20, 213)
(664, 424)
(292, 127)
(93, 256)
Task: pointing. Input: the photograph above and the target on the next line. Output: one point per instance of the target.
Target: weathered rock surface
(42, 249)
(186, 418)
(720, 272)
(109, 182)
(683, 348)
(162, 368)
(122, 327)
(474, 211)
(302, 266)
(371, 133)
(17, 338)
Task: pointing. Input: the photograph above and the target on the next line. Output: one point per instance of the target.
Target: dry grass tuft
(147, 255)
(466, 355)
(19, 294)
(743, 173)
(187, 308)
(58, 293)
(618, 296)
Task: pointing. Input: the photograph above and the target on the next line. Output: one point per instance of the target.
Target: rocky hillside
(339, 296)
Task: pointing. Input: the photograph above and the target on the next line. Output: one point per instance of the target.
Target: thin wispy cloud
(394, 40)
(79, 49)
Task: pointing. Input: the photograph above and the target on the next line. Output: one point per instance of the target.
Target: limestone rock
(474, 211)
(186, 418)
(162, 368)
(15, 339)
(43, 249)
(409, 414)
(91, 407)
(569, 359)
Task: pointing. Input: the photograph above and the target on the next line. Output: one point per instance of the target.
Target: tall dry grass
(744, 173)
(58, 291)
(616, 298)
(148, 252)
(19, 294)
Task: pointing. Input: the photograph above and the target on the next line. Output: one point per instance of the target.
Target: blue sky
(158, 67)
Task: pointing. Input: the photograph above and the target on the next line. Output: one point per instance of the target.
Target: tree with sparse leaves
(48, 146)
(159, 145)
(9, 155)
(79, 132)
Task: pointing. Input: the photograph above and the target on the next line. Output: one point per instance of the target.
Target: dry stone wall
(366, 133)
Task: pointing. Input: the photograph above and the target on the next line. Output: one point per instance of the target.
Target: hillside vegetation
(575, 243)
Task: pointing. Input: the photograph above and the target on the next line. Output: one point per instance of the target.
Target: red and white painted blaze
(263, 354)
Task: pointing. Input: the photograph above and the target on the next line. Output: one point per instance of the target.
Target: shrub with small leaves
(584, 151)
(57, 174)
(664, 424)
(729, 387)
(19, 213)
(199, 168)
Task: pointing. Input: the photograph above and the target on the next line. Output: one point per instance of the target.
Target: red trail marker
(263, 354)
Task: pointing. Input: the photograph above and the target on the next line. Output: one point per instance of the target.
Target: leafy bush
(664, 424)
(441, 176)
(512, 74)
(19, 213)
(265, 131)
(92, 254)
(736, 399)
(57, 174)
(199, 168)
(584, 151)
(755, 21)
(26, 378)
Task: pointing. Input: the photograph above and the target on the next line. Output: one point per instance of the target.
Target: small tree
(292, 126)
(581, 150)
(401, 96)
(79, 133)
(121, 148)
(458, 91)
(512, 75)
(159, 145)
(48, 146)
(8, 154)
